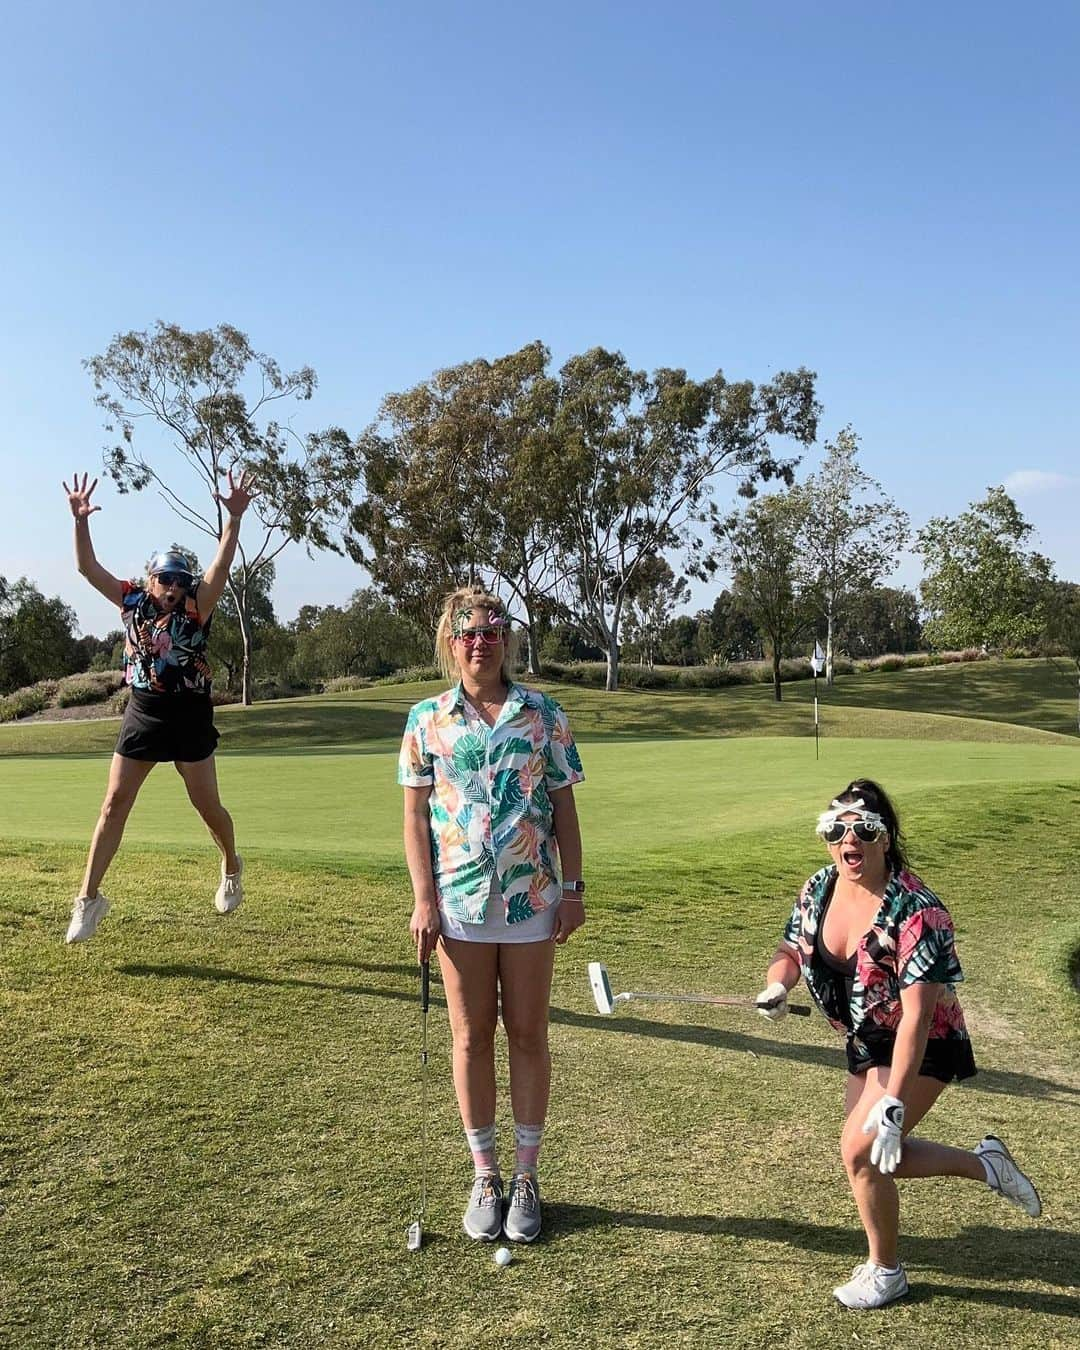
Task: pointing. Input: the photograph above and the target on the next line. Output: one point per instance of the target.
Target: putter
(606, 1000)
(416, 1228)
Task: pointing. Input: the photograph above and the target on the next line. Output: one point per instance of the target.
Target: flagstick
(816, 751)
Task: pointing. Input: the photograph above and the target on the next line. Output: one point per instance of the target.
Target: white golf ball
(503, 1256)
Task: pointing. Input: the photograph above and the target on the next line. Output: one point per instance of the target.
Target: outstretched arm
(78, 495)
(235, 502)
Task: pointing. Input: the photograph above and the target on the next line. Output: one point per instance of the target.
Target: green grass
(992, 701)
(209, 1127)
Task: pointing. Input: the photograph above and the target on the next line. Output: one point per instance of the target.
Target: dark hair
(875, 798)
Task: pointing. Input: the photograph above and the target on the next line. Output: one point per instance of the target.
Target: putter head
(416, 1236)
(601, 988)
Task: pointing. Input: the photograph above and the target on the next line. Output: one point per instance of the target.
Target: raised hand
(240, 495)
(78, 496)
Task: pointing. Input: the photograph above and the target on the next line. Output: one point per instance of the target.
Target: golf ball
(503, 1256)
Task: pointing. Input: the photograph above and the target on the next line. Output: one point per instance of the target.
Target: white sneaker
(85, 917)
(231, 890)
(1005, 1177)
(872, 1287)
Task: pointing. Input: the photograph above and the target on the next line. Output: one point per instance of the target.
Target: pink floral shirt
(911, 941)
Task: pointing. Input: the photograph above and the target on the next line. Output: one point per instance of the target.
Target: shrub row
(71, 692)
(744, 672)
(410, 675)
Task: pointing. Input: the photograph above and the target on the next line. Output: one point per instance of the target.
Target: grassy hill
(1029, 701)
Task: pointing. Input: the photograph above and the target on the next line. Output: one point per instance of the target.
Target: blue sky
(886, 193)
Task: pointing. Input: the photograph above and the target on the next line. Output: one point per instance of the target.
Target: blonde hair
(467, 598)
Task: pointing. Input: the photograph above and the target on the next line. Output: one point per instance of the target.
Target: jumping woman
(168, 716)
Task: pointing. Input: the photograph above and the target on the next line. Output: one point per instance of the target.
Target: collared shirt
(164, 651)
(910, 941)
(490, 807)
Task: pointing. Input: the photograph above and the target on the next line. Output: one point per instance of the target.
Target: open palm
(78, 496)
(240, 494)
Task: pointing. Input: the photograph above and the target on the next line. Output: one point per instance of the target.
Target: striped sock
(527, 1140)
(482, 1148)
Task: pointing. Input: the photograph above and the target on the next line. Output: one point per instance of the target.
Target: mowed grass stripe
(649, 798)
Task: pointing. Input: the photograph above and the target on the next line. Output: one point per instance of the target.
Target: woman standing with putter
(168, 715)
(494, 854)
(875, 946)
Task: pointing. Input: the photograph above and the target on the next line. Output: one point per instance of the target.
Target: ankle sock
(527, 1144)
(482, 1147)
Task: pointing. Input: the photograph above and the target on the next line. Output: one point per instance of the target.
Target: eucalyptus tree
(852, 537)
(463, 482)
(761, 548)
(982, 586)
(209, 396)
(640, 457)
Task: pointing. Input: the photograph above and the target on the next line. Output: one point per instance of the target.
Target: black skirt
(167, 727)
(946, 1058)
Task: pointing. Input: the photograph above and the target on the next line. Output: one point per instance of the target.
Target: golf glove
(772, 1002)
(887, 1118)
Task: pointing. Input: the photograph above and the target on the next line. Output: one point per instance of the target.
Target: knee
(116, 807)
(475, 1040)
(855, 1151)
(527, 1040)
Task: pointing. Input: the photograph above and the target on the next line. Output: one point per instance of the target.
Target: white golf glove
(772, 1001)
(887, 1118)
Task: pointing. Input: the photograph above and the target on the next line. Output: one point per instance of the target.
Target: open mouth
(851, 857)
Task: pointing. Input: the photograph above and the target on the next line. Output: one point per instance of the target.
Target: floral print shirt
(490, 803)
(911, 941)
(164, 653)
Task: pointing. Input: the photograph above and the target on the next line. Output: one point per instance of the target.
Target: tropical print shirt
(163, 653)
(910, 941)
(490, 803)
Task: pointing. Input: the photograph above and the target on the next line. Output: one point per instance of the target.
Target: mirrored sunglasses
(181, 579)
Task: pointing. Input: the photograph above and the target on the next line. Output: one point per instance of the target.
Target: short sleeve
(926, 949)
(562, 763)
(130, 595)
(415, 765)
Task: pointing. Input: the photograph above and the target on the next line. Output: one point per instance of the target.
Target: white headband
(856, 808)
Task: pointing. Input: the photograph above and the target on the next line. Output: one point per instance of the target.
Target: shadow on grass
(216, 975)
(829, 1057)
(1048, 1255)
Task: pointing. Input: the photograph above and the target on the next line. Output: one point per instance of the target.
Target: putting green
(346, 805)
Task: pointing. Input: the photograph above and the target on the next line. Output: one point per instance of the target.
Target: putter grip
(798, 1009)
(425, 983)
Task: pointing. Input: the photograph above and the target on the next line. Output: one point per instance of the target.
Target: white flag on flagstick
(817, 661)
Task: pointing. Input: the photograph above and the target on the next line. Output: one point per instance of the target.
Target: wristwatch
(577, 886)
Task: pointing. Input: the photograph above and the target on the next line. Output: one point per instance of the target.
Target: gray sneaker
(85, 917)
(1005, 1177)
(522, 1223)
(483, 1213)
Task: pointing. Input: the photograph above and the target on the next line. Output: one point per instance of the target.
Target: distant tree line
(588, 495)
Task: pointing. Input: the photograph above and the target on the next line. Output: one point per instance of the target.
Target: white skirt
(538, 928)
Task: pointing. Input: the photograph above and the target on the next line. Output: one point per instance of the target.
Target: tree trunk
(777, 692)
(532, 646)
(245, 637)
(828, 648)
(612, 681)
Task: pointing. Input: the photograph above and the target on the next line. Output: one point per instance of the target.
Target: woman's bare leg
(470, 974)
(875, 1192)
(200, 779)
(525, 980)
(126, 777)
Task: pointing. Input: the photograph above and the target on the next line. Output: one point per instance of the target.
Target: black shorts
(945, 1059)
(167, 727)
